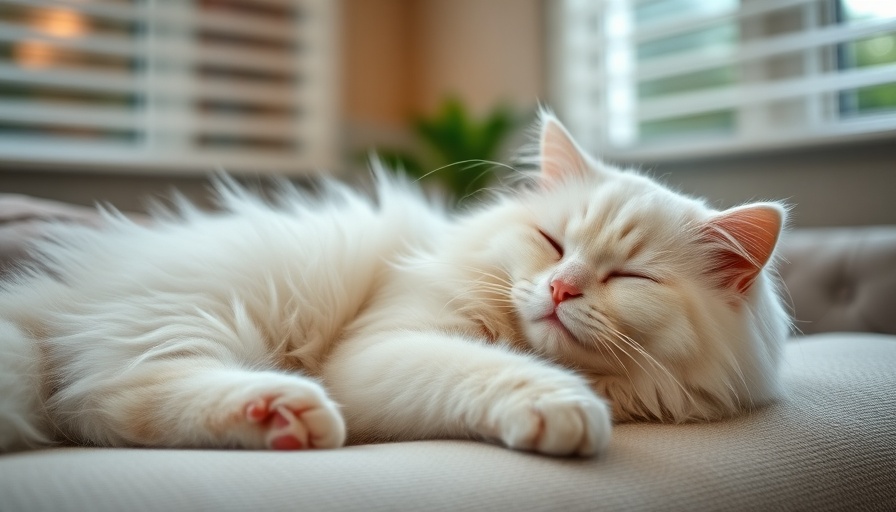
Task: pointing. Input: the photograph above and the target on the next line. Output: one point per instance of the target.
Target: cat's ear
(741, 241)
(560, 156)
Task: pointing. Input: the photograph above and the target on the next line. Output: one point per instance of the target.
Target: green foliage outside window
(874, 51)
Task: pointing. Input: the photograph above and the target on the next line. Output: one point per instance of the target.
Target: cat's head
(668, 303)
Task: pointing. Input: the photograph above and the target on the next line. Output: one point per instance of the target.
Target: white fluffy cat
(588, 294)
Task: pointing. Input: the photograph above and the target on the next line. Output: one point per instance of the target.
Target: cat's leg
(417, 385)
(193, 402)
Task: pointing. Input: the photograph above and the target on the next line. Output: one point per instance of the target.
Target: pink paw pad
(285, 430)
(286, 443)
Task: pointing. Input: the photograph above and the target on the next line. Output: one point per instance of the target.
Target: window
(649, 79)
(167, 84)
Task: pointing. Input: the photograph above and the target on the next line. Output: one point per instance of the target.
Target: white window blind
(660, 79)
(168, 84)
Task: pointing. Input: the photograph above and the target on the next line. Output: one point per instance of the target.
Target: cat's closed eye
(557, 247)
(626, 274)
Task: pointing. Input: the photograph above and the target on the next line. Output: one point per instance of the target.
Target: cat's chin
(556, 326)
(554, 323)
(551, 336)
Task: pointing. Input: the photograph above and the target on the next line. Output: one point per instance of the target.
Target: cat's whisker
(491, 291)
(479, 271)
(481, 281)
(475, 160)
(628, 341)
(494, 292)
(654, 379)
(636, 346)
(508, 306)
(490, 296)
(644, 370)
(612, 352)
(452, 300)
(483, 273)
(599, 342)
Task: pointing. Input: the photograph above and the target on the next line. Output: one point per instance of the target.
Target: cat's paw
(555, 421)
(295, 417)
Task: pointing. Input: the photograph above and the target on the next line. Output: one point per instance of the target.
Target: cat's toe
(555, 424)
(287, 432)
(296, 420)
(577, 426)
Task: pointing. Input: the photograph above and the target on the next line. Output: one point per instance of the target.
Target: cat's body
(246, 328)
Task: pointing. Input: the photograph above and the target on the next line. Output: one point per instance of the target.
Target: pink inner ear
(744, 239)
(560, 156)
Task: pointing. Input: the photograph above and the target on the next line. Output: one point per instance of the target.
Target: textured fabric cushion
(842, 279)
(830, 445)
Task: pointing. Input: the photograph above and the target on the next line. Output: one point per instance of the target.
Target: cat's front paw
(555, 421)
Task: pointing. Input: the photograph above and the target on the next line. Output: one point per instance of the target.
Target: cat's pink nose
(561, 291)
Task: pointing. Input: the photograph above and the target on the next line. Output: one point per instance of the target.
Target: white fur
(22, 422)
(418, 324)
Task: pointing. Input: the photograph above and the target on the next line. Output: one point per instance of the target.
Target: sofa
(829, 444)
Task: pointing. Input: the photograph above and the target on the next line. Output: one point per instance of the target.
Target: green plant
(456, 151)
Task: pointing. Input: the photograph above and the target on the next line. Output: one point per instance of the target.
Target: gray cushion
(830, 445)
(842, 279)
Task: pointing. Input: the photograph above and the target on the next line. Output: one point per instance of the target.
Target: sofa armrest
(841, 279)
(23, 218)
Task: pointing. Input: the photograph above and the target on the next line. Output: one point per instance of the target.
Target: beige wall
(404, 57)
(485, 51)
(378, 45)
(838, 185)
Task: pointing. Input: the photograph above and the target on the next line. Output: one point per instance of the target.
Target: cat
(584, 296)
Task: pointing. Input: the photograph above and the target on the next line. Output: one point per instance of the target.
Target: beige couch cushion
(830, 445)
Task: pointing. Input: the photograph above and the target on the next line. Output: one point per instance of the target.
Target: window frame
(592, 116)
(167, 120)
